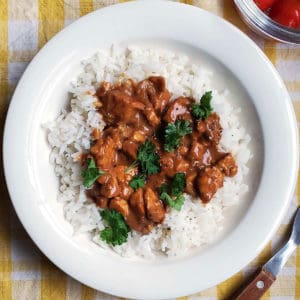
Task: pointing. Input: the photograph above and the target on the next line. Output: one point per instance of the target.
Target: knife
(269, 271)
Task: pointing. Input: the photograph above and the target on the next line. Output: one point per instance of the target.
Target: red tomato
(286, 12)
(264, 4)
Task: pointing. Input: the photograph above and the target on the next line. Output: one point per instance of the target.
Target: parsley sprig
(175, 199)
(178, 184)
(174, 132)
(91, 174)
(148, 161)
(137, 181)
(204, 109)
(116, 232)
(148, 158)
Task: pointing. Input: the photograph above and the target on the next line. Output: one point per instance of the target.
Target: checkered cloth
(25, 26)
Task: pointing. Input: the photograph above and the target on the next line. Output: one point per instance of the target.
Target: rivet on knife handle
(257, 287)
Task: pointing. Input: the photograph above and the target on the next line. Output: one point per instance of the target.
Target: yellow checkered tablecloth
(25, 273)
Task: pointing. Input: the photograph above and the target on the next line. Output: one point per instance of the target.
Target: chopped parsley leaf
(116, 232)
(148, 158)
(137, 181)
(204, 109)
(91, 174)
(174, 132)
(176, 199)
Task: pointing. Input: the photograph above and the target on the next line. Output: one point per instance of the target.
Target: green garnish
(148, 161)
(148, 158)
(176, 199)
(204, 109)
(91, 174)
(175, 203)
(174, 132)
(178, 184)
(117, 230)
(137, 181)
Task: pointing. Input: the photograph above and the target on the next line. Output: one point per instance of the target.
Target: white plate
(42, 92)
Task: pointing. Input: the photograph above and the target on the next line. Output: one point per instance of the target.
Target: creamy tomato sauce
(135, 112)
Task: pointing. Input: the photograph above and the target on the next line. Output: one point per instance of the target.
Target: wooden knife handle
(257, 287)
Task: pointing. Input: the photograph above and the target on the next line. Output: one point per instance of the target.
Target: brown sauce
(134, 112)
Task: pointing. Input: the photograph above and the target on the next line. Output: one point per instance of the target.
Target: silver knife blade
(275, 264)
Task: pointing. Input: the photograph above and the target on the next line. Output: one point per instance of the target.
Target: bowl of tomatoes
(276, 19)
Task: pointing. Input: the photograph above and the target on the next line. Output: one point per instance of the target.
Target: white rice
(69, 135)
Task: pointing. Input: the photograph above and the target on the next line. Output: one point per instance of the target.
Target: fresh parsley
(91, 174)
(178, 184)
(148, 162)
(137, 181)
(174, 132)
(148, 158)
(204, 109)
(117, 230)
(175, 203)
(176, 199)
